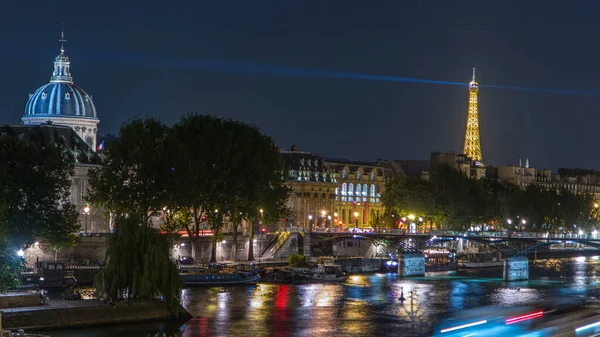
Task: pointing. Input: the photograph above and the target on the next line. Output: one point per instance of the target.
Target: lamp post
(356, 217)
(86, 211)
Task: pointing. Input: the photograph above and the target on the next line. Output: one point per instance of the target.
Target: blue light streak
(169, 62)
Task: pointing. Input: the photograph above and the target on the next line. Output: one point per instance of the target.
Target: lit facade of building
(313, 185)
(358, 192)
(63, 106)
(472, 147)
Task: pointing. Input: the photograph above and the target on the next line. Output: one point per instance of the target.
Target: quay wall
(15, 300)
(360, 264)
(92, 249)
(88, 314)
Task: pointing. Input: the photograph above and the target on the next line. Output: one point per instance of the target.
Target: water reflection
(367, 305)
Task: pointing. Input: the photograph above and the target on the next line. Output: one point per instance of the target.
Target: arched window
(358, 193)
(372, 194)
(344, 174)
(350, 191)
(358, 175)
(337, 192)
(365, 191)
(344, 191)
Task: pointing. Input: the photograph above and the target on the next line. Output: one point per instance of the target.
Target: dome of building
(61, 102)
(61, 96)
(60, 99)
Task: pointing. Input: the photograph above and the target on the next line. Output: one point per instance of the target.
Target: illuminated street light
(420, 219)
(86, 211)
(523, 221)
(595, 205)
(261, 211)
(411, 217)
(335, 214)
(509, 221)
(20, 253)
(310, 217)
(323, 212)
(580, 232)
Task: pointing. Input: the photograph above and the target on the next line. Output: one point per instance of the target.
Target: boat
(473, 265)
(328, 273)
(49, 275)
(217, 275)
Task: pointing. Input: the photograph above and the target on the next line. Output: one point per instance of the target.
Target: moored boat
(328, 273)
(217, 275)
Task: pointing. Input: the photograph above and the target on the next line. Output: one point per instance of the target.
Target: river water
(367, 305)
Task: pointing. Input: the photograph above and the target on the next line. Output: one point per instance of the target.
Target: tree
(135, 173)
(223, 171)
(138, 265)
(35, 182)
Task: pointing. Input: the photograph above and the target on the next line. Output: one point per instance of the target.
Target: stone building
(61, 105)
(574, 180)
(313, 186)
(358, 192)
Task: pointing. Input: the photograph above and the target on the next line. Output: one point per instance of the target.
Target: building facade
(574, 180)
(357, 196)
(66, 108)
(312, 186)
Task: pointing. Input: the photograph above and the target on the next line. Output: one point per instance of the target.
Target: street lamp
(356, 216)
(323, 213)
(86, 211)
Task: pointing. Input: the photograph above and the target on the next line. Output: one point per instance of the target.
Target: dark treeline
(450, 200)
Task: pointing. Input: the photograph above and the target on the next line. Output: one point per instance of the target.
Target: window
(372, 175)
(350, 192)
(82, 191)
(44, 95)
(372, 194)
(337, 192)
(344, 174)
(365, 191)
(358, 175)
(344, 191)
(358, 192)
(68, 95)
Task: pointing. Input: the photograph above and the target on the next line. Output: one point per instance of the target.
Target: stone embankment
(61, 314)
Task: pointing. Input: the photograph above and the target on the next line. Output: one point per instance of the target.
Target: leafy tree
(35, 181)
(138, 265)
(135, 173)
(223, 171)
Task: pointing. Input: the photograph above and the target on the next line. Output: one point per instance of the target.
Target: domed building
(61, 102)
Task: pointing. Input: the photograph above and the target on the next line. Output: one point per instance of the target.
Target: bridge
(513, 246)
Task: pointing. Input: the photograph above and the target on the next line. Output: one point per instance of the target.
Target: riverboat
(322, 274)
(49, 275)
(476, 265)
(217, 275)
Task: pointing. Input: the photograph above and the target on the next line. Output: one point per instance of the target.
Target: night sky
(166, 58)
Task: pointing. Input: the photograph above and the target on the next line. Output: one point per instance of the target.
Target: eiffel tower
(472, 147)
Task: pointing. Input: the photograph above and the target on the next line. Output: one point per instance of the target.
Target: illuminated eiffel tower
(472, 147)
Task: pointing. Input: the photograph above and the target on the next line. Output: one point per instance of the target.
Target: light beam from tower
(472, 147)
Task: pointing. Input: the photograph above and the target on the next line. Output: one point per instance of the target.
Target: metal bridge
(510, 244)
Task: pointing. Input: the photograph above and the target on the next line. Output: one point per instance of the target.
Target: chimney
(293, 148)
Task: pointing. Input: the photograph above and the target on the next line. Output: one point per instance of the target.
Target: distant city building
(472, 148)
(574, 180)
(313, 186)
(63, 103)
(358, 191)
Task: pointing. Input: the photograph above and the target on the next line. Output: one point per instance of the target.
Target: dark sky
(155, 57)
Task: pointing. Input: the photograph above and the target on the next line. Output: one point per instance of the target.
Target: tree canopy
(202, 172)
(453, 201)
(34, 190)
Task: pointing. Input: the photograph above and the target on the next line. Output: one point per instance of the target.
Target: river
(367, 305)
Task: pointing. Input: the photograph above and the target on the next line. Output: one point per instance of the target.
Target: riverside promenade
(61, 314)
